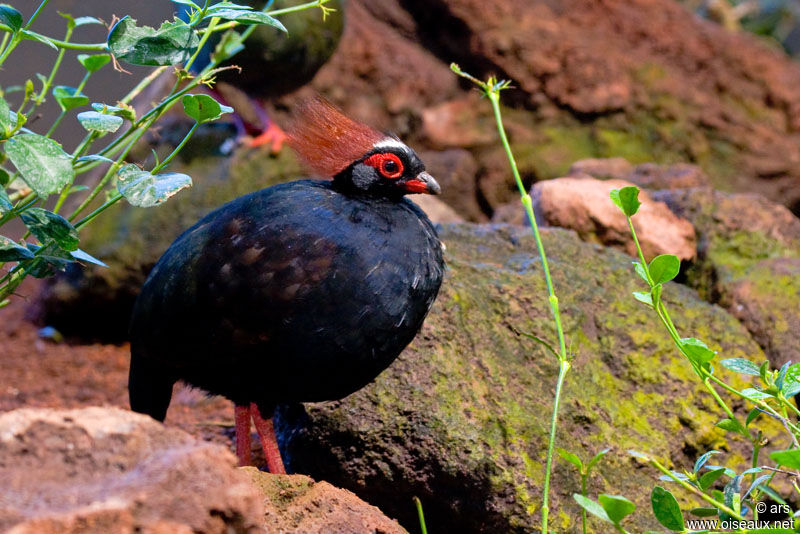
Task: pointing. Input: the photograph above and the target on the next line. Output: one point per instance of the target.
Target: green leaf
(616, 506)
(755, 412)
(40, 38)
(8, 119)
(99, 122)
(664, 268)
(10, 17)
(675, 475)
(763, 371)
(597, 458)
(203, 108)
(643, 296)
(228, 46)
(696, 350)
(666, 509)
(80, 255)
(708, 479)
(95, 62)
(5, 202)
(755, 394)
(246, 17)
(49, 258)
(592, 507)
(571, 458)
(703, 512)
(701, 461)
(729, 424)
(48, 226)
(172, 43)
(143, 189)
(757, 482)
(5, 178)
(782, 375)
(793, 373)
(790, 389)
(640, 271)
(124, 110)
(44, 165)
(11, 251)
(740, 365)
(82, 21)
(639, 455)
(789, 458)
(732, 495)
(626, 199)
(95, 157)
(68, 97)
(187, 3)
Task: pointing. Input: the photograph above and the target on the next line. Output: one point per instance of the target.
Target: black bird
(300, 292)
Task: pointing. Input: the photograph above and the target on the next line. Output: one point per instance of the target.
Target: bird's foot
(266, 431)
(272, 135)
(243, 446)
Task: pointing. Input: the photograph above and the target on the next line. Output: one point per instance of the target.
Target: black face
(390, 170)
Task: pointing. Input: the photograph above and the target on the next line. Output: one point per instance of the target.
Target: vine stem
(563, 368)
(491, 89)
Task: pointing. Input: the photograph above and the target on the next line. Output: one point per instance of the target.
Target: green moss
(559, 148)
(481, 398)
(621, 143)
(738, 251)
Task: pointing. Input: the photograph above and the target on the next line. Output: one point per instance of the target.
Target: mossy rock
(748, 262)
(461, 418)
(89, 301)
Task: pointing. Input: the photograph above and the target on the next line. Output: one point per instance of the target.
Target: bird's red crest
(326, 140)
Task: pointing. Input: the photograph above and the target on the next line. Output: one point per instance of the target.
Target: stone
(456, 171)
(676, 176)
(106, 470)
(645, 175)
(464, 123)
(461, 418)
(747, 262)
(767, 301)
(602, 168)
(583, 204)
(296, 504)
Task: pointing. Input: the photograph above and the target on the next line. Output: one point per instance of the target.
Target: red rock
(646, 175)
(456, 170)
(296, 504)
(464, 122)
(111, 471)
(583, 204)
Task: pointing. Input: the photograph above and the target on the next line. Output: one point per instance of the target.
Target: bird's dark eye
(387, 163)
(389, 167)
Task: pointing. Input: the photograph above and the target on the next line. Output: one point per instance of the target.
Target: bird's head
(360, 159)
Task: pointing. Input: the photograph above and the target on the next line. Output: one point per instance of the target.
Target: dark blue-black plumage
(294, 293)
(304, 291)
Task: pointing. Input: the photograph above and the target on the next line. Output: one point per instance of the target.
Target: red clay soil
(38, 373)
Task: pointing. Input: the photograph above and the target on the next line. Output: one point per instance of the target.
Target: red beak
(423, 183)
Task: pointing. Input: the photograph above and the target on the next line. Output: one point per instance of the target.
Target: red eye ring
(387, 163)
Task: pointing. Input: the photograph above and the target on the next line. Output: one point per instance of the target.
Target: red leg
(266, 431)
(272, 135)
(242, 417)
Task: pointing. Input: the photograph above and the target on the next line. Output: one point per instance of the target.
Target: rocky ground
(460, 420)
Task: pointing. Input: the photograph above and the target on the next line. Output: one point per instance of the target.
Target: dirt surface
(35, 372)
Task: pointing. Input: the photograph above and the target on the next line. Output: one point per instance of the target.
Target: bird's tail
(149, 387)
